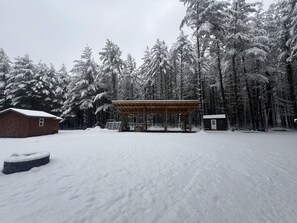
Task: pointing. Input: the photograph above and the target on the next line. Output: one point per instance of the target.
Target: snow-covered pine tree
(5, 65)
(51, 86)
(279, 25)
(197, 19)
(288, 35)
(82, 90)
(238, 40)
(159, 70)
(199, 15)
(256, 72)
(271, 26)
(293, 31)
(145, 74)
(41, 85)
(112, 65)
(183, 54)
(217, 23)
(19, 88)
(61, 82)
(128, 80)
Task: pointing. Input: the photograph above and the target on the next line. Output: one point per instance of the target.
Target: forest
(238, 59)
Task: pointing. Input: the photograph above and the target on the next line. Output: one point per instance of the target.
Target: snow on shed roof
(17, 158)
(31, 113)
(214, 116)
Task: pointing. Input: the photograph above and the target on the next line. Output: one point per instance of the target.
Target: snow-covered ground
(107, 176)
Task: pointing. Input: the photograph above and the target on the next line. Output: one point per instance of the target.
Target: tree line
(238, 60)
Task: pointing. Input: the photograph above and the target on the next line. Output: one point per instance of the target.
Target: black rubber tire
(11, 167)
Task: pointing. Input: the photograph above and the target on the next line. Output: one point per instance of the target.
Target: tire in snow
(24, 162)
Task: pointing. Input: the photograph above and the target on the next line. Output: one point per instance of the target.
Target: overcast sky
(56, 31)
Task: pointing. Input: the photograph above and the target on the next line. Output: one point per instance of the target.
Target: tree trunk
(200, 83)
(235, 92)
(222, 85)
(289, 68)
(181, 78)
(249, 94)
(114, 86)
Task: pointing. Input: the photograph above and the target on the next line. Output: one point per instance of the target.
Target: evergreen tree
(218, 19)
(279, 25)
(41, 87)
(197, 18)
(183, 54)
(61, 82)
(238, 41)
(146, 75)
(19, 88)
(129, 82)
(5, 65)
(82, 89)
(159, 70)
(112, 65)
(288, 39)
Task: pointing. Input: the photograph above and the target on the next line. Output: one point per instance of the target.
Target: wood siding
(13, 125)
(51, 126)
(221, 124)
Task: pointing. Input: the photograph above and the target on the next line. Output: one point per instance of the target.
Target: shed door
(213, 124)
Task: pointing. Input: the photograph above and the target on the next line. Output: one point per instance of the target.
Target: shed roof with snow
(31, 113)
(15, 122)
(214, 116)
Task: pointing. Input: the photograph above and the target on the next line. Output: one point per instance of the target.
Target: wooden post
(122, 123)
(185, 122)
(166, 119)
(190, 120)
(126, 122)
(144, 119)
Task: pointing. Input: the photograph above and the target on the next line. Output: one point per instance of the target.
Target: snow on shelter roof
(214, 116)
(31, 113)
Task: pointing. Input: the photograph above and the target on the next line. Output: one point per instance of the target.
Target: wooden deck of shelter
(162, 107)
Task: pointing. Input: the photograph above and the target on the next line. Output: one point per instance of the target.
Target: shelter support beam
(184, 120)
(190, 120)
(166, 124)
(144, 119)
(124, 122)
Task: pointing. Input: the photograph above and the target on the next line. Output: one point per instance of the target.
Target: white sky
(56, 31)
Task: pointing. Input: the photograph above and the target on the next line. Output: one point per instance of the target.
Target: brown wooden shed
(215, 122)
(18, 123)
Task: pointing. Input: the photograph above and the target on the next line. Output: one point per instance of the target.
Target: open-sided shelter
(162, 107)
(24, 123)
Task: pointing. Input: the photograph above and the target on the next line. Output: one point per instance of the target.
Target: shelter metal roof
(155, 106)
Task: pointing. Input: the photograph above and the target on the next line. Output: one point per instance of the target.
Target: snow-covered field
(107, 176)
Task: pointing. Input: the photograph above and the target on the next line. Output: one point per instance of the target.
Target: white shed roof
(214, 116)
(31, 113)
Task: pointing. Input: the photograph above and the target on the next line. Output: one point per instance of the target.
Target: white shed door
(213, 124)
